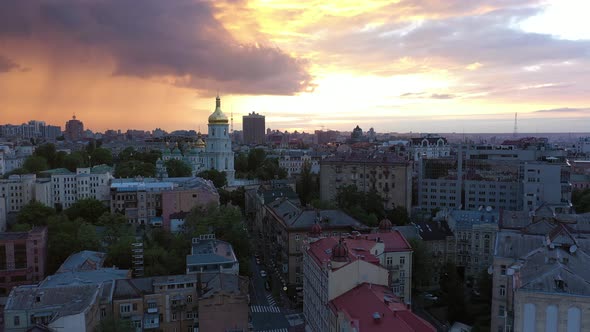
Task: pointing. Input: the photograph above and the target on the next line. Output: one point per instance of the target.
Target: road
(266, 315)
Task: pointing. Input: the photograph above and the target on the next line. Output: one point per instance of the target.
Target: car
(257, 261)
(262, 273)
(429, 296)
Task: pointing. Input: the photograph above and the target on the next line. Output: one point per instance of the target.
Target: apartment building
(505, 177)
(69, 187)
(440, 243)
(23, 258)
(17, 191)
(474, 238)
(386, 173)
(540, 277)
(332, 267)
(430, 146)
(294, 160)
(153, 201)
(369, 307)
(286, 232)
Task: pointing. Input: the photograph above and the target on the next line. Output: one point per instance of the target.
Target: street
(266, 314)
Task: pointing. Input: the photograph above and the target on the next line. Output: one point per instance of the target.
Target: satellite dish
(552, 246)
(573, 248)
(510, 271)
(488, 208)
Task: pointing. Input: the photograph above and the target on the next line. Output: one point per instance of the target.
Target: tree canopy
(177, 168)
(581, 200)
(219, 178)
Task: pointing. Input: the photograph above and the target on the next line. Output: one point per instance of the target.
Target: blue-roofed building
(86, 260)
(211, 255)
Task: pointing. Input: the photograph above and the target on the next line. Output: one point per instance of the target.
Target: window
(501, 311)
(16, 320)
(389, 261)
(136, 323)
(134, 306)
(125, 308)
(503, 270)
(296, 237)
(173, 316)
(189, 315)
(189, 299)
(402, 260)
(502, 290)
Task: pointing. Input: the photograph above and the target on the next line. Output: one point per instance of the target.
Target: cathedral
(215, 153)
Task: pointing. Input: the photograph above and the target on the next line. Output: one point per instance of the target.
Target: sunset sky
(406, 65)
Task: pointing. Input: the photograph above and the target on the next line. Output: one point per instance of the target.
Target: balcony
(393, 267)
(151, 321)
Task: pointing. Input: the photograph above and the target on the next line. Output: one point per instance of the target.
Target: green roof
(56, 171)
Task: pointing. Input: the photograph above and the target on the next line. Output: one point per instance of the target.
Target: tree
(35, 164)
(177, 168)
(255, 159)
(581, 200)
(35, 213)
(306, 186)
(227, 224)
(112, 324)
(398, 216)
(101, 156)
(421, 263)
(75, 160)
(89, 209)
(236, 197)
(133, 168)
(219, 178)
(48, 152)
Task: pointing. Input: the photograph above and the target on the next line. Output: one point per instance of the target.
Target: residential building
(211, 255)
(385, 173)
(440, 243)
(332, 267)
(153, 201)
(474, 237)
(540, 277)
(583, 145)
(223, 302)
(503, 177)
(369, 307)
(286, 232)
(430, 146)
(294, 160)
(90, 182)
(3, 214)
(74, 130)
(17, 191)
(23, 257)
(257, 198)
(65, 308)
(254, 128)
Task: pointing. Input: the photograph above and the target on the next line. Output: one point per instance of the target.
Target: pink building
(23, 258)
(176, 201)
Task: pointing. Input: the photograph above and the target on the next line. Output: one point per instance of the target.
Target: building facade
(254, 128)
(211, 255)
(23, 257)
(74, 130)
(385, 173)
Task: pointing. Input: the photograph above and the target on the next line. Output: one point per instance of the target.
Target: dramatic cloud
(580, 111)
(7, 65)
(177, 41)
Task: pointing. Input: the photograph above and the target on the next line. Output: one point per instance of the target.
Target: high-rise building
(254, 126)
(74, 129)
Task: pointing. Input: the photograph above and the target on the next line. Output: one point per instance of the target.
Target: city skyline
(421, 66)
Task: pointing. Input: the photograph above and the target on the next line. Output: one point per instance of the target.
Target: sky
(396, 66)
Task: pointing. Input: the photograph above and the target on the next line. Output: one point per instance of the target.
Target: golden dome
(217, 116)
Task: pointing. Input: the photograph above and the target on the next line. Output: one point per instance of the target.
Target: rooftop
(83, 261)
(375, 308)
(361, 248)
(394, 240)
(433, 231)
(366, 158)
(92, 277)
(208, 251)
(12, 236)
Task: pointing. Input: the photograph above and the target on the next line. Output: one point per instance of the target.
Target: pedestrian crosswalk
(265, 308)
(275, 330)
(271, 300)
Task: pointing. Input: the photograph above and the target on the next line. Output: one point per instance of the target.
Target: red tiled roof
(394, 240)
(360, 248)
(362, 303)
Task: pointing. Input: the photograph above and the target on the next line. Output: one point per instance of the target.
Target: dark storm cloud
(154, 38)
(7, 65)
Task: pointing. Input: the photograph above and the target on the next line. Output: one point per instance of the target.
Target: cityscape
(278, 166)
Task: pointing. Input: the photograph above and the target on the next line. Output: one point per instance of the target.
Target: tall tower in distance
(254, 126)
(74, 129)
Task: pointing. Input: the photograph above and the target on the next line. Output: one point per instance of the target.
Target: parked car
(430, 297)
(258, 261)
(263, 273)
